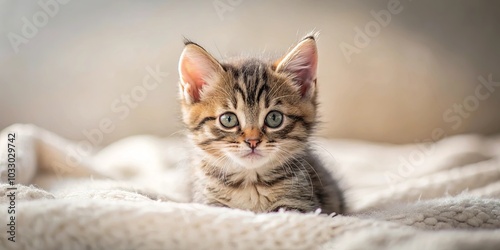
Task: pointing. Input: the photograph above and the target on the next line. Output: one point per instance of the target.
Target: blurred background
(389, 71)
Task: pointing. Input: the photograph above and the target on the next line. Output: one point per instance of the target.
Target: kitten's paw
(282, 209)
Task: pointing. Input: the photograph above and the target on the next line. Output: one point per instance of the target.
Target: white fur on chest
(253, 197)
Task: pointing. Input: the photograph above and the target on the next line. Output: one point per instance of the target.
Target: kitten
(250, 122)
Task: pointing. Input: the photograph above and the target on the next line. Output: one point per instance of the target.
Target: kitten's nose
(252, 143)
(252, 137)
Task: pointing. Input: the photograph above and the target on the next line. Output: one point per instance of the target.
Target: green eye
(228, 120)
(274, 119)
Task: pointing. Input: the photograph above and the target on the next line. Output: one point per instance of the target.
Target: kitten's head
(249, 113)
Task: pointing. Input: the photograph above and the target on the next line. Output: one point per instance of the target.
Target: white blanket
(133, 195)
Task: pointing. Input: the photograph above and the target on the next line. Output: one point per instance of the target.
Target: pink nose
(252, 143)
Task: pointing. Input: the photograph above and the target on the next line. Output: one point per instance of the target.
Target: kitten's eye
(274, 119)
(228, 120)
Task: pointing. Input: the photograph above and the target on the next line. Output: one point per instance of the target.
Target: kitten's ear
(197, 68)
(302, 62)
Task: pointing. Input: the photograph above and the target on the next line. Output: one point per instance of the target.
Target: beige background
(67, 77)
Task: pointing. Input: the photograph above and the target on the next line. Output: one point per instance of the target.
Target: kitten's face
(249, 114)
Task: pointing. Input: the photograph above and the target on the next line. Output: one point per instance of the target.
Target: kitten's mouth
(252, 155)
(252, 159)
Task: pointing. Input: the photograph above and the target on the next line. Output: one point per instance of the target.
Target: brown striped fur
(279, 170)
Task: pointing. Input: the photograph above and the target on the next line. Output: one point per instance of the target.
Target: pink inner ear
(196, 67)
(305, 80)
(303, 66)
(193, 76)
(302, 63)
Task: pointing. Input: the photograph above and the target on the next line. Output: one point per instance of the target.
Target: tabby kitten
(250, 121)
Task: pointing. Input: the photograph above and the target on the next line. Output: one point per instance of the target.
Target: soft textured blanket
(133, 195)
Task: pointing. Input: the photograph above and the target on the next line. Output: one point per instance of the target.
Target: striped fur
(279, 170)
